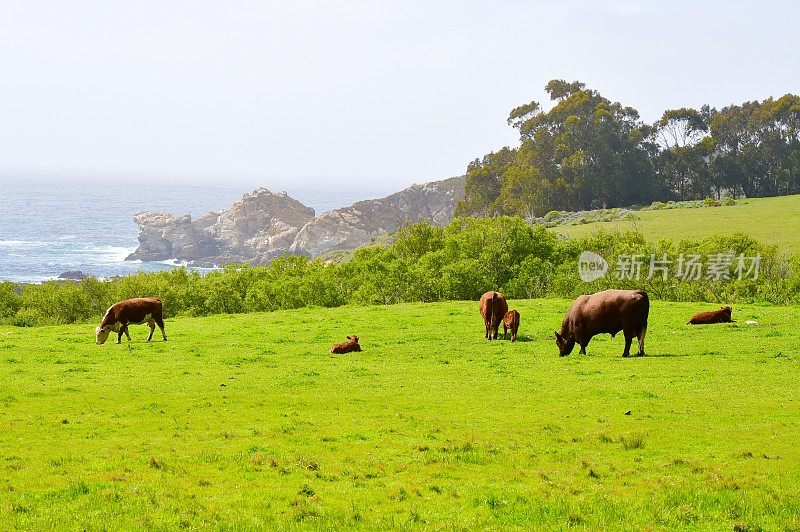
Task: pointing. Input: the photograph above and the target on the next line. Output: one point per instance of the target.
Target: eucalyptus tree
(682, 161)
(757, 146)
(585, 152)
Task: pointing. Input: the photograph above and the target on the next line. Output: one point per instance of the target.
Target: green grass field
(769, 220)
(246, 422)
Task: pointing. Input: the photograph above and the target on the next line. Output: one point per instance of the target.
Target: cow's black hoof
(626, 355)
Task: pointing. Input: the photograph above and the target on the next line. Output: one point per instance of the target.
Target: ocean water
(52, 225)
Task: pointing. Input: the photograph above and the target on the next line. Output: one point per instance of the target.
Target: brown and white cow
(493, 307)
(511, 322)
(722, 315)
(138, 310)
(346, 347)
(609, 311)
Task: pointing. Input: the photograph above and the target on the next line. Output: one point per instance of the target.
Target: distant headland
(263, 225)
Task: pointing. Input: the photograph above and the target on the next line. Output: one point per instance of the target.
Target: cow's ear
(558, 336)
(349, 338)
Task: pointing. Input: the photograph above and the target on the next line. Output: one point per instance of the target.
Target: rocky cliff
(263, 225)
(256, 228)
(354, 226)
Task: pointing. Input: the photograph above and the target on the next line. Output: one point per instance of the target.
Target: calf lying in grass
(723, 315)
(345, 347)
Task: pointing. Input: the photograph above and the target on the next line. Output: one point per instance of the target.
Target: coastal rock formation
(165, 236)
(354, 226)
(73, 275)
(263, 225)
(256, 228)
(259, 226)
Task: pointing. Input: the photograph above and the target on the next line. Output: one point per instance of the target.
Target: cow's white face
(101, 335)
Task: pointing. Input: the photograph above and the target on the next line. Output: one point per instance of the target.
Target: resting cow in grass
(138, 310)
(722, 315)
(511, 322)
(346, 347)
(609, 311)
(493, 307)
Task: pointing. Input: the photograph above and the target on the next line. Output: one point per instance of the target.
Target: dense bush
(9, 302)
(428, 263)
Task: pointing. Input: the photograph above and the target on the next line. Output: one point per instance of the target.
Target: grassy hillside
(772, 220)
(247, 422)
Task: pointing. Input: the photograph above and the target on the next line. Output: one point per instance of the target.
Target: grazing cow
(345, 347)
(511, 321)
(609, 312)
(493, 307)
(723, 315)
(137, 310)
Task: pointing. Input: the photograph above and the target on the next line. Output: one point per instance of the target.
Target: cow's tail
(646, 305)
(493, 321)
(643, 328)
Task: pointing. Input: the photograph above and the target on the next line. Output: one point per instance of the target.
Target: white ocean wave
(174, 262)
(32, 279)
(23, 243)
(109, 254)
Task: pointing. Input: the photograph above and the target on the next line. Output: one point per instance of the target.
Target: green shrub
(9, 299)
(425, 263)
(28, 317)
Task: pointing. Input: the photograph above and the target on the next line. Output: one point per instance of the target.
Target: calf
(609, 311)
(493, 307)
(722, 315)
(137, 310)
(511, 321)
(345, 347)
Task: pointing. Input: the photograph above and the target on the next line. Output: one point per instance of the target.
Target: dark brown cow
(345, 347)
(609, 312)
(137, 310)
(493, 307)
(723, 315)
(511, 321)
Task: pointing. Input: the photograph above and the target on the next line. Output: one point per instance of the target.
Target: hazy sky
(351, 91)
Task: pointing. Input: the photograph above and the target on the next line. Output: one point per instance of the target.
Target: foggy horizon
(382, 94)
